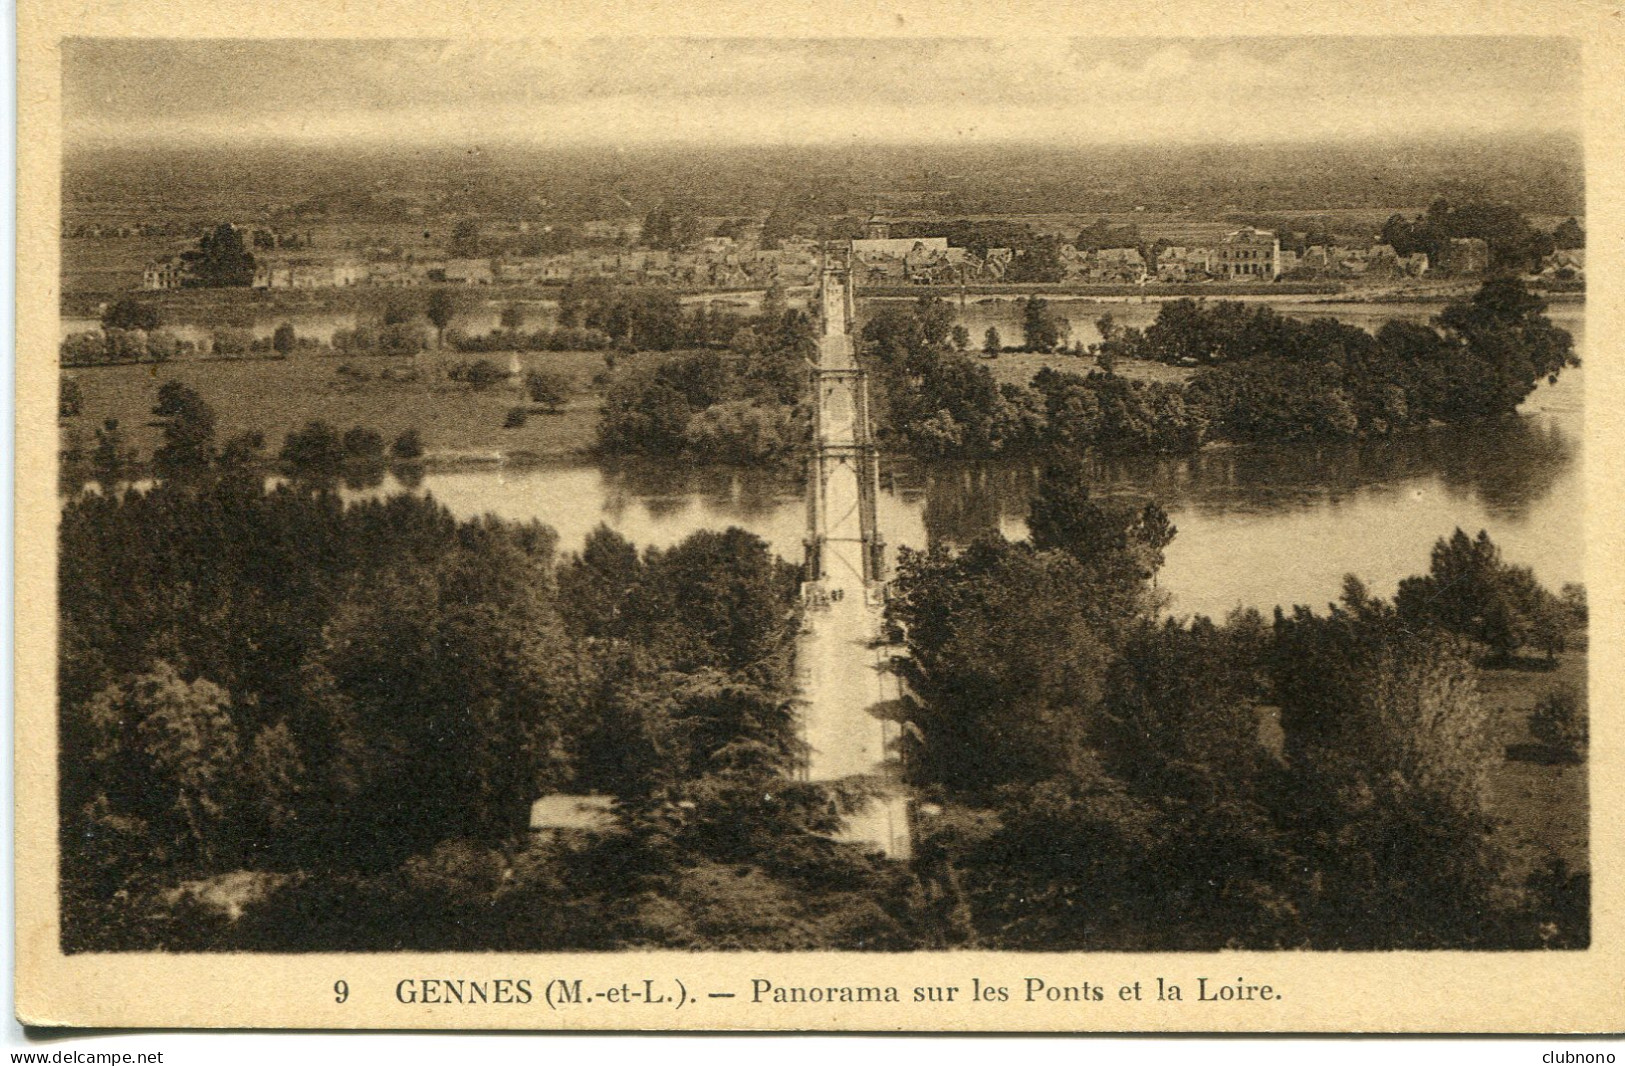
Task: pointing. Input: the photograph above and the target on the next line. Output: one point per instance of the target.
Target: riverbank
(246, 307)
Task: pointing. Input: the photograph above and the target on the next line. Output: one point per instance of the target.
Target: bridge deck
(848, 693)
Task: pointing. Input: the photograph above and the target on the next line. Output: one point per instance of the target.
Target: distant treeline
(1259, 375)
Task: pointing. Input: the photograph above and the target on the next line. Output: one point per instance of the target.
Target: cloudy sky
(626, 91)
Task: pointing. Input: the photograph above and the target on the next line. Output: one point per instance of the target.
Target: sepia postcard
(1049, 517)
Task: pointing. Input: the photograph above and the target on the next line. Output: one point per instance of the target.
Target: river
(1258, 525)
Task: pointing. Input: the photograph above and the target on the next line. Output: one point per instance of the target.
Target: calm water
(1257, 526)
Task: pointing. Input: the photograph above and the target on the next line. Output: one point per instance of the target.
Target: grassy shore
(274, 397)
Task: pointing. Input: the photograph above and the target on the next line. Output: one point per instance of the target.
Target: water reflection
(1258, 525)
(1508, 471)
(744, 495)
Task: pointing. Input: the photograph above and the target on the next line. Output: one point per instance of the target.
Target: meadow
(275, 396)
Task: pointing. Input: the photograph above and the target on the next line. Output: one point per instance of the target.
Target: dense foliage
(1513, 243)
(322, 709)
(1259, 376)
(1108, 780)
(739, 404)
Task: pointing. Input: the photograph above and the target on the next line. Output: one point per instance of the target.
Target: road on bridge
(849, 696)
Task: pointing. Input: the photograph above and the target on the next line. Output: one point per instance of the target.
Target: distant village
(1247, 254)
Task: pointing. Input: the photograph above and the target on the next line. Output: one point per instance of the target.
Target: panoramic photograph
(830, 494)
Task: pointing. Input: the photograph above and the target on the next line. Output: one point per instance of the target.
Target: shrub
(516, 418)
(550, 388)
(480, 374)
(1561, 722)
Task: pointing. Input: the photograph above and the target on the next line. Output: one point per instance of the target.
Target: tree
(397, 312)
(1471, 592)
(451, 674)
(1125, 548)
(408, 446)
(167, 751)
(316, 449)
(1005, 659)
(129, 313)
(188, 447)
(444, 306)
(70, 398)
(513, 317)
(1560, 722)
(773, 308)
(549, 388)
(1041, 328)
(1391, 747)
(221, 260)
(1569, 235)
(465, 238)
(594, 585)
(230, 340)
(1509, 343)
(284, 339)
(960, 336)
(363, 443)
(111, 460)
(480, 374)
(992, 343)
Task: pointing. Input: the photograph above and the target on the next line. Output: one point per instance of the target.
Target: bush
(516, 418)
(1560, 721)
(550, 388)
(481, 373)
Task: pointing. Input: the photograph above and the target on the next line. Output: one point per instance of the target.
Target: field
(275, 396)
(1545, 808)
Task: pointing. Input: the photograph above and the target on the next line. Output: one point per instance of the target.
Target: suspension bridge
(849, 695)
